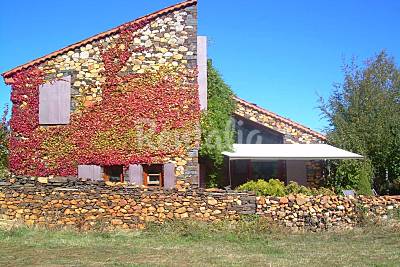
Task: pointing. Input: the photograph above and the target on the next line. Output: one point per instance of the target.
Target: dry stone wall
(92, 204)
(324, 212)
(87, 205)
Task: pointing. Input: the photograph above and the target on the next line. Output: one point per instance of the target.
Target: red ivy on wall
(142, 118)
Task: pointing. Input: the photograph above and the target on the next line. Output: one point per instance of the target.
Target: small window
(153, 175)
(113, 173)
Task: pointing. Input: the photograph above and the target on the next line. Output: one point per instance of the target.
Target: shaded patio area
(286, 162)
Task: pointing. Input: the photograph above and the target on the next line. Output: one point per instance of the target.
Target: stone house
(125, 104)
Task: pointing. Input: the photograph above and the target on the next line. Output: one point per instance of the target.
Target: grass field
(196, 244)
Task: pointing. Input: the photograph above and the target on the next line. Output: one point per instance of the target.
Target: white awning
(289, 152)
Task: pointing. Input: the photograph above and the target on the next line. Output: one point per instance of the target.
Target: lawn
(196, 244)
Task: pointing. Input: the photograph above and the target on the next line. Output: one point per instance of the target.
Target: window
(55, 102)
(153, 179)
(113, 173)
(153, 175)
(264, 170)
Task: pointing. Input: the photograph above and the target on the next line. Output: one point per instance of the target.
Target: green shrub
(273, 187)
(351, 174)
(295, 188)
(322, 191)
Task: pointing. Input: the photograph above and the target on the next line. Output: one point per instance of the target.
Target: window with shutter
(55, 102)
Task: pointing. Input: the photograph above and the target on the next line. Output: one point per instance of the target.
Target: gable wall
(155, 62)
(249, 132)
(292, 134)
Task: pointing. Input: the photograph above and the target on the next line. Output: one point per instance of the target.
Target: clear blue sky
(277, 54)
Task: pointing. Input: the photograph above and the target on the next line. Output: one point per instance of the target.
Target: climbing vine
(142, 118)
(217, 134)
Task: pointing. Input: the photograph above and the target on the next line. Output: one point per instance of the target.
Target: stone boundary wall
(323, 212)
(91, 205)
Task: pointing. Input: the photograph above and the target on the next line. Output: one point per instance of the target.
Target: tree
(217, 134)
(364, 117)
(4, 134)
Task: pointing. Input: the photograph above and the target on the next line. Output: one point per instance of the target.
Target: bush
(351, 174)
(322, 191)
(275, 187)
(295, 188)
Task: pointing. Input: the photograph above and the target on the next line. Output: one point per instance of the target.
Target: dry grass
(251, 243)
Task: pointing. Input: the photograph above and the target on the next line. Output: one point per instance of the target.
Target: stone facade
(166, 42)
(85, 205)
(293, 132)
(315, 176)
(169, 40)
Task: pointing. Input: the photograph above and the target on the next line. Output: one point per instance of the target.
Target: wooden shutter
(90, 172)
(55, 102)
(169, 176)
(135, 175)
(96, 173)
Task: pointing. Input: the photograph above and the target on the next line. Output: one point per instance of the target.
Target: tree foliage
(351, 174)
(4, 134)
(364, 117)
(217, 133)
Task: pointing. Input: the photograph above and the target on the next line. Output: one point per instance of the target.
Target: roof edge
(101, 35)
(283, 119)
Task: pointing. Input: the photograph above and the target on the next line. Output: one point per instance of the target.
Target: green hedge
(275, 187)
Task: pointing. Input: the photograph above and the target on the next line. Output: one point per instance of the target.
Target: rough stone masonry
(87, 204)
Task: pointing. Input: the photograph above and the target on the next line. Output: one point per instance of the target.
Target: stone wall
(324, 212)
(293, 133)
(314, 171)
(87, 204)
(163, 45)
